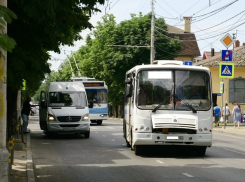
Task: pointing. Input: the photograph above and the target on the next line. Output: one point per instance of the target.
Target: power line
(221, 22)
(164, 9)
(207, 6)
(223, 7)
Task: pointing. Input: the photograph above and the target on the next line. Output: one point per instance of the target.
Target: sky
(211, 21)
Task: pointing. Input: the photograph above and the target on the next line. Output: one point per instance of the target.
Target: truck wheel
(86, 135)
(201, 151)
(99, 122)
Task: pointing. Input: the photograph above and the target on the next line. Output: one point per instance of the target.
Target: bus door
(43, 110)
(128, 105)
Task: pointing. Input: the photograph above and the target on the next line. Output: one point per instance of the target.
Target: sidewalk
(230, 129)
(22, 168)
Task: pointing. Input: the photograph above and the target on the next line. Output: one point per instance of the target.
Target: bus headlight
(85, 117)
(141, 128)
(103, 115)
(51, 117)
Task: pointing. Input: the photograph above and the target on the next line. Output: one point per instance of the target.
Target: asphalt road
(104, 157)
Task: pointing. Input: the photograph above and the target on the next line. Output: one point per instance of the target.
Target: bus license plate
(172, 137)
(69, 128)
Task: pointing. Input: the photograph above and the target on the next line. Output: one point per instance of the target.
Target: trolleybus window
(97, 95)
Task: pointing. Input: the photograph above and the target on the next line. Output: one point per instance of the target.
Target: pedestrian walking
(226, 113)
(25, 113)
(237, 114)
(217, 114)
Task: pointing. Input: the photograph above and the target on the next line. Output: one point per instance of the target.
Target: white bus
(168, 103)
(97, 94)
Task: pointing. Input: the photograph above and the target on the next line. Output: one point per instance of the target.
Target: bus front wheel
(138, 150)
(99, 122)
(201, 151)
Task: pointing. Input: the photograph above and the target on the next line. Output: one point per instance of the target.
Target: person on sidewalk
(226, 113)
(25, 113)
(217, 114)
(237, 114)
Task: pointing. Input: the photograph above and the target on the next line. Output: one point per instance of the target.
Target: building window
(237, 90)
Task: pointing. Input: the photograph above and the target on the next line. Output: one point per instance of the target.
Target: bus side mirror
(129, 90)
(91, 104)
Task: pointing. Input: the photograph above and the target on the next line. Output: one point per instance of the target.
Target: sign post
(226, 70)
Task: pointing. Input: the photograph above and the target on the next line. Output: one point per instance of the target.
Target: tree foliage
(99, 59)
(6, 16)
(42, 26)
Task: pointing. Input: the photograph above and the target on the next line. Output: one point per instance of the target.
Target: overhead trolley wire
(221, 22)
(207, 6)
(223, 7)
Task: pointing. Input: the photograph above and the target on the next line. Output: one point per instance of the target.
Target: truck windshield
(67, 99)
(173, 90)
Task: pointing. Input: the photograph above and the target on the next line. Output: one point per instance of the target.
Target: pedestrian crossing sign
(226, 70)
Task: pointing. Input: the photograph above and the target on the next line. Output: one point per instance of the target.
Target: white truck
(168, 103)
(64, 109)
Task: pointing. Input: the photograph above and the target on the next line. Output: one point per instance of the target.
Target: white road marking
(123, 144)
(43, 176)
(96, 132)
(159, 161)
(108, 127)
(188, 175)
(103, 135)
(113, 139)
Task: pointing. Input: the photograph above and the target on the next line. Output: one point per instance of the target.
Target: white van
(64, 109)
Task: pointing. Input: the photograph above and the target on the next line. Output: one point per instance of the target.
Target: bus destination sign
(91, 84)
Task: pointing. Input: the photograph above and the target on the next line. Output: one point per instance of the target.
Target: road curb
(30, 171)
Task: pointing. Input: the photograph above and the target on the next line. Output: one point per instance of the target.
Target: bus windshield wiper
(186, 103)
(160, 104)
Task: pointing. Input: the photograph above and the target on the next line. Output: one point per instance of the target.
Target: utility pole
(152, 31)
(4, 172)
(79, 74)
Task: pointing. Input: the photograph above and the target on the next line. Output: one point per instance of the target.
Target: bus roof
(168, 66)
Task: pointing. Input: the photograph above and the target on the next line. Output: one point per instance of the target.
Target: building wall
(184, 58)
(239, 72)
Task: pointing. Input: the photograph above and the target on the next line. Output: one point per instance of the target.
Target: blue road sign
(219, 94)
(188, 63)
(226, 70)
(226, 55)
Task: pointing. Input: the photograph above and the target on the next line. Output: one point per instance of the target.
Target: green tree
(6, 16)
(105, 62)
(42, 26)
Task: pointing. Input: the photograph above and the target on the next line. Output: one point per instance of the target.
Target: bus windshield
(67, 99)
(97, 95)
(173, 90)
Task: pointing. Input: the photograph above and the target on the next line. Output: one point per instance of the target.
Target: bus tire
(138, 150)
(99, 122)
(201, 151)
(128, 144)
(87, 135)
